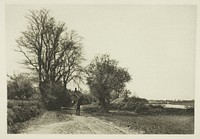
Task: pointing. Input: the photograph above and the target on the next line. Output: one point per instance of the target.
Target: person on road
(78, 105)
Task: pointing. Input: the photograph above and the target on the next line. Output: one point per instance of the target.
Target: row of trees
(54, 53)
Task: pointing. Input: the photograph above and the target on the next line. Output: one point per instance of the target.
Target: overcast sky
(155, 42)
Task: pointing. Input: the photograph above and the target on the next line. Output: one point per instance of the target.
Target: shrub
(56, 97)
(20, 87)
(128, 103)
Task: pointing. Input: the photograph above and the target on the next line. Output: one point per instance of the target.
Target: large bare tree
(50, 49)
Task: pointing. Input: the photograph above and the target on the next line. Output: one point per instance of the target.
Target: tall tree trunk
(65, 83)
(65, 86)
(103, 108)
(41, 82)
(40, 71)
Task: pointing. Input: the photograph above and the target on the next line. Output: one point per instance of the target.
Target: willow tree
(50, 49)
(104, 76)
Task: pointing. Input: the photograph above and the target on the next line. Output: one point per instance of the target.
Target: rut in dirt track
(59, 123)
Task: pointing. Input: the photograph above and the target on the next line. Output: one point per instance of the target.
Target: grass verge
(19, 111)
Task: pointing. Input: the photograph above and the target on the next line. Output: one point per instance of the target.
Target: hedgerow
(128, 104)
(19, 111)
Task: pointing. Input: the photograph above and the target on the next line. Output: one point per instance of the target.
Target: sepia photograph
(100, 68)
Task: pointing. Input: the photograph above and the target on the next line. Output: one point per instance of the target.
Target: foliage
(88, 99)
(20, 87)
(104, 76)
(20, 111)
(56, 97)
(128, 103)
(50, 50)
(141, 106)
(126, 93)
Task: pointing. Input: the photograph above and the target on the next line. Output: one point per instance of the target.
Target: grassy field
(169, 124)
(148, 124)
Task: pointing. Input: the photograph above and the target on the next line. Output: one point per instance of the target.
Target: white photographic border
(3, 104)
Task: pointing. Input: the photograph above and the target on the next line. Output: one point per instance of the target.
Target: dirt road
(61, 123)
